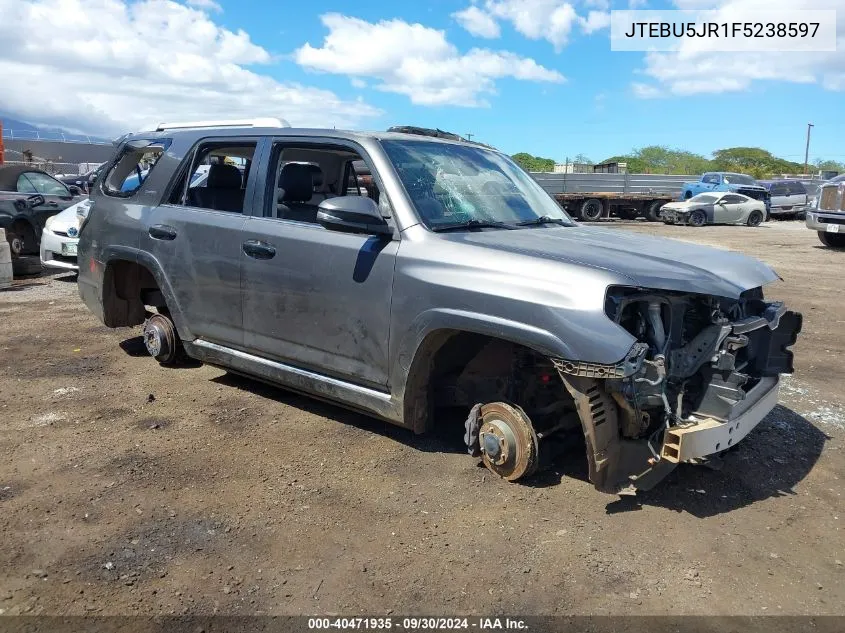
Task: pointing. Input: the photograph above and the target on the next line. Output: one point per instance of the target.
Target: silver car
(715, 208)
(455, 292)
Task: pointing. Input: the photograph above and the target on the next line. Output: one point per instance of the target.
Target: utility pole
(469, 136)
(807, 151)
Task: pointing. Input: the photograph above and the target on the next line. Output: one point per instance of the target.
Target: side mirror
(352, 214)
(74, 190)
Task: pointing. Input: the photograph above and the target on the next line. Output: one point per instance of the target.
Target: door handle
(162, 232)
(52, 203)
(259, 250)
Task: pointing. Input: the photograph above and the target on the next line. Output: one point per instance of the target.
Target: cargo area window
(136, 161)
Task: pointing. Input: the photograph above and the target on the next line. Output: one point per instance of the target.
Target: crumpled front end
(703, 373)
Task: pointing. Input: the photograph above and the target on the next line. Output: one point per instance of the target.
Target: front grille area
(832, 199)
(829, 220)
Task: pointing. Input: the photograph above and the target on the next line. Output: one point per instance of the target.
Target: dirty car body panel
(658, 348)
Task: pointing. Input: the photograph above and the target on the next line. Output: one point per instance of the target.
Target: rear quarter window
(135, 162)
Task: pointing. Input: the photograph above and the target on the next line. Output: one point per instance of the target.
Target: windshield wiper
(472, 224)
(544, 219)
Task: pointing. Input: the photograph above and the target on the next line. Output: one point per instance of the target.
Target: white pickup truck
(828, 216)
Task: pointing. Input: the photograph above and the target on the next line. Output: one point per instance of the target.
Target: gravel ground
(130, 488)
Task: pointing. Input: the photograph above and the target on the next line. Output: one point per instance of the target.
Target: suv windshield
(453, 185)
(739, 179)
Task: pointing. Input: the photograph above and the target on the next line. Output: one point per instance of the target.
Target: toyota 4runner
(447, 288)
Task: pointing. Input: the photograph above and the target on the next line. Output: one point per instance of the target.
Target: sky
(523, 75)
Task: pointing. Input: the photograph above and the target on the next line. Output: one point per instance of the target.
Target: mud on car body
(455, 292)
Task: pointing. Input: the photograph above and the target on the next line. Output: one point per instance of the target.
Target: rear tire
(26, 266)
(162, 341)
(591, 210)
(697, 218)
(652, 214)
(755, 219)
(832, 240)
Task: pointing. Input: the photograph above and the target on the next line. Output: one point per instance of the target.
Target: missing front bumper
(701, 437)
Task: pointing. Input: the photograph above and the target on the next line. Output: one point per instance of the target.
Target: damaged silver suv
(427, 280)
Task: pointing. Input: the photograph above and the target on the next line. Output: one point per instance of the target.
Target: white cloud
(109, 66)
(210, 5)
(550, 20)
(358, 83)
(478, 22)
(644, 91)
(416, 61)
(694, 71)
(595, 21)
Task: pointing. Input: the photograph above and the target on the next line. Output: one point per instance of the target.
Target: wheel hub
(497, 442)
(508, 443)
(153, 340)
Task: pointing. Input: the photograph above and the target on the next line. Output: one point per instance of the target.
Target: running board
(340, 392)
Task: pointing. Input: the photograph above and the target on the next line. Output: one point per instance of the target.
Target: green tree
(530, 162)
(828, 165)
(581, 159)
(657, 159)
(753, 161)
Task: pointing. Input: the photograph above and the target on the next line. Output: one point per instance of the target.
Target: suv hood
(650, 262)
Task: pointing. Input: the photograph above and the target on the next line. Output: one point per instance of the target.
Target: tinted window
(24, 186)
(796, 188)
(732, 199)
(711, 179)
(779, 189)
(43, 184)
(218, 175)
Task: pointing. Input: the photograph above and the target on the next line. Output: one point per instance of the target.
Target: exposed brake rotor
(509, 445)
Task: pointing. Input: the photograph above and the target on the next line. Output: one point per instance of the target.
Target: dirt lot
(128, 488)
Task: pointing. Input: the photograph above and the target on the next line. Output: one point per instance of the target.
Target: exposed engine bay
(696, 360)
(701, 374)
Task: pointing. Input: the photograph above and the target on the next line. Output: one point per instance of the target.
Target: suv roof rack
(424, 131)
(261, 122)
(436, 133)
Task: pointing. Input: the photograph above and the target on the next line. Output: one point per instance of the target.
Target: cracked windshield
(457, 186)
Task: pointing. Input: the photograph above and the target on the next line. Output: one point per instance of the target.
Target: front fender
(425, 336)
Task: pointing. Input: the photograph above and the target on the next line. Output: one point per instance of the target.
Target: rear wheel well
(128, 287)
(454, 370)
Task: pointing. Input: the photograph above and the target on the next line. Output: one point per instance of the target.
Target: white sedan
(61, 236)
(715, 208)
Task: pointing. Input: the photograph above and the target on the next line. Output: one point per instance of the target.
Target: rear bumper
(820, 220)
(700, 437)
